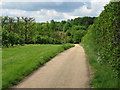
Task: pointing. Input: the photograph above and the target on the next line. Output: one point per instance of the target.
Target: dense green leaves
(24, 30)
(17, 30)
(103, 37)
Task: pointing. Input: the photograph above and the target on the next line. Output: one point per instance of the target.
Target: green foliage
(79, 27)
(17, 30)
(67, 46)
(29, 57)
(52, 25)
(103, 74)
(0, 68)
(103, 39)
(24, 30)
(86, 21)
(77, 36)
(66, 26)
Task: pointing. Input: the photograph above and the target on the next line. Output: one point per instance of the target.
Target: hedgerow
(104, 37)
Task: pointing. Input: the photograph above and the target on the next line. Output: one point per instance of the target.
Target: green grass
(0, 68)
(104, 76)
(20, 61)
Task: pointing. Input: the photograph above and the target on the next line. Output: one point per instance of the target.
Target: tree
(28, 27)
(66, 26)
(24, 30)
(52, 25)
(78, 36)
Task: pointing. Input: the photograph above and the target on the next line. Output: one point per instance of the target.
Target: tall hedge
(104, 36)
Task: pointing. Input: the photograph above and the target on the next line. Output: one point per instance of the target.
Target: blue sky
(46, 11)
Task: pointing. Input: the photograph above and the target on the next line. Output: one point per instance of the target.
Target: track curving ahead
(68, 69)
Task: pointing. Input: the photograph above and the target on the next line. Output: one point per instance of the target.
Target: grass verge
(104, 76)
(0, 68)
(20, 61)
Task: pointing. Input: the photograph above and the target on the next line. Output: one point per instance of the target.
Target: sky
(46, 10)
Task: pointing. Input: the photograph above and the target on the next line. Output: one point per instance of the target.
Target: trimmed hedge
(103, 37)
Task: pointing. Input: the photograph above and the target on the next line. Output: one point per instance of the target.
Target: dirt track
(68, 69)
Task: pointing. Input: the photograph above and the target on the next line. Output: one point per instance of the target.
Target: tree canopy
(24, 30)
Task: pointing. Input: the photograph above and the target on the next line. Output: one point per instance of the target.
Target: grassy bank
(20, 61)
(104, 76)
(0, 68)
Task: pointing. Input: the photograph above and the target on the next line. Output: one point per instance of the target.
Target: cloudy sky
(46, 10)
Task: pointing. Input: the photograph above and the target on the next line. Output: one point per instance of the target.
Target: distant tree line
(24, 30)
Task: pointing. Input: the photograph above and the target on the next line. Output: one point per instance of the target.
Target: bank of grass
(20, 61)
(103, 75)
(0, 68)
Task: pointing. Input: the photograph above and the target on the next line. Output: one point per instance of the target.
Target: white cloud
(99, 4)
(46, 0)
(68, 16)
(13, 12)
(44, 15)
(47, 15)
(82, 11)
(0, 2)
(58, 0)
(95, 10)
(40, 16)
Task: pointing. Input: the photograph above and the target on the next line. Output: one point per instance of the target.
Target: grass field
(0, 68)
(104, 76)
(20, 61)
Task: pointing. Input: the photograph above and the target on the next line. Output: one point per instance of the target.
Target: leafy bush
(66, 46)
(103, 38)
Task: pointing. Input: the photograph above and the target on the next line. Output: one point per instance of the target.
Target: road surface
(68, 69)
